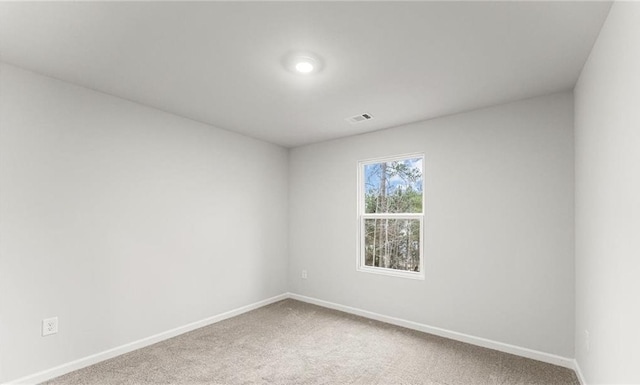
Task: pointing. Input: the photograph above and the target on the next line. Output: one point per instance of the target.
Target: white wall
(125, 221)
(499, 224)
(607, 118)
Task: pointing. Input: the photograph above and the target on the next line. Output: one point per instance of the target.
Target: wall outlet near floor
(304, 274)
(49, 326)
(587, 340)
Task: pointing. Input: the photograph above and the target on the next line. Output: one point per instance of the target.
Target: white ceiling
(221, 63)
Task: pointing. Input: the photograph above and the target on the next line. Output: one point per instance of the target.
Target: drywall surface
(607, 118)
(498, 234)
(124, 221)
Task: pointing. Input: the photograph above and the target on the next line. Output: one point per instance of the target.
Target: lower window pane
(392, 243)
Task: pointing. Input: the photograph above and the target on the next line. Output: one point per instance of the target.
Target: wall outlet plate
(49, 326)
(304, 274)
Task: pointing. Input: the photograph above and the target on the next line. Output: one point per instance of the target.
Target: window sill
(391, 272)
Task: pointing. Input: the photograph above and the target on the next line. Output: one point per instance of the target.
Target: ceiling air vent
(359, 118)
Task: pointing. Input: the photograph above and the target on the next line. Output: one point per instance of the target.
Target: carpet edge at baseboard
(578, 371)
(549, 358)
(68, 367)
(93, 359)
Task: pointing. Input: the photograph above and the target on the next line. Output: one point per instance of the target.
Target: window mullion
(393, 215)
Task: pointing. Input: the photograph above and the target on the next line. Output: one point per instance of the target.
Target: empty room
(429, 193)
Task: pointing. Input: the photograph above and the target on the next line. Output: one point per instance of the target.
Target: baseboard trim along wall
(576, 368)
(48, 374)
(479, 341)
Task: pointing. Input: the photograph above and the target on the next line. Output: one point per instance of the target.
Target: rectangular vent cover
(359, 118)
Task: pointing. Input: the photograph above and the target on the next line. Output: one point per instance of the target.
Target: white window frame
(360, 260)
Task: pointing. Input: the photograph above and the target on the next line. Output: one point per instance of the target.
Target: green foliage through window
(392, 243)
(393, 187)
(391, 220)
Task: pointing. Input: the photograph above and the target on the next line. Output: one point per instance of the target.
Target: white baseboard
(576, 368)
(479, 341)
(48, 374)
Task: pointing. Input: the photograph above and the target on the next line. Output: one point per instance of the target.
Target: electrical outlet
(49, 326)
(304, 274)
(587, 340)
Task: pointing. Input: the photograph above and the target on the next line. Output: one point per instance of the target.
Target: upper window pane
(393, 187)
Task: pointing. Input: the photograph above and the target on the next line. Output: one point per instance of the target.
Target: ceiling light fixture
(304, 67)
(304, 63)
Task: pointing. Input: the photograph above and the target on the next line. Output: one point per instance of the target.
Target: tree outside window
(391, 215)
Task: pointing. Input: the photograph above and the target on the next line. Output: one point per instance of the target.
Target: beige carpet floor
(290, 342)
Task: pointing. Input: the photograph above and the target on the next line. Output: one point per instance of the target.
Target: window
(390, 214)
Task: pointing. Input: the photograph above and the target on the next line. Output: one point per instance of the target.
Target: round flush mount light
(304, 67)
(303, 63)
